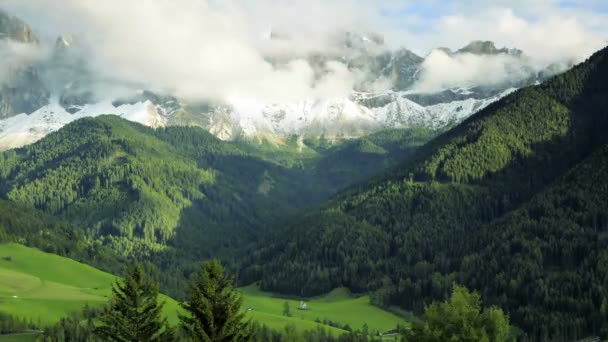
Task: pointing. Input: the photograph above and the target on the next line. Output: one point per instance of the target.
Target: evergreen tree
(460, 319)
(134, 313)
(213, 309)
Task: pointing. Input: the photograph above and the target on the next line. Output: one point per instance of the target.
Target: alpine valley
(369, 210)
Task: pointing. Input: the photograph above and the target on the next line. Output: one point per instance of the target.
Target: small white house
(303, 306)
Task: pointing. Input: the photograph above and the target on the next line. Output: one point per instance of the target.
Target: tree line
(212, 313)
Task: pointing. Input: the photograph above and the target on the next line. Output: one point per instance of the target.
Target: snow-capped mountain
(23, 129)
(40, 97)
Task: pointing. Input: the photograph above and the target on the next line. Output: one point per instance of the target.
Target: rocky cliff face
(15, 29)
(479, 47)
(22, 92)
(21, 88)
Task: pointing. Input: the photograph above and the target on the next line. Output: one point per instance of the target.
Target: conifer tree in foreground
(213, 308)
(134, 313)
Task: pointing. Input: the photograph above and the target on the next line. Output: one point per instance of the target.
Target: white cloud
(552, 36)
(196, 48)
(441, 70)
(212, 48)
(545, 32)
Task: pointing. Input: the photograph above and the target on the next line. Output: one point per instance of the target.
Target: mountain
(174, 195)
(21, 88)
(41, 97)
(511, 202)
(479, 47)
(131, 184)
(15, 29)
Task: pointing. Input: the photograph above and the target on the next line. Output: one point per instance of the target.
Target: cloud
(453, 23)
(214, 49)
(197, 48)
(441, 70)
(547, 33)
(15, 56)
(554, 35)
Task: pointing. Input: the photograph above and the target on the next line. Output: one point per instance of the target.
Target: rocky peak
(22, 90)
(64, 41)
(479, 47)
(402, 68)
(15, 29)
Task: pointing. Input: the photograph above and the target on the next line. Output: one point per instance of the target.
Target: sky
(213, 48)
(543, 28)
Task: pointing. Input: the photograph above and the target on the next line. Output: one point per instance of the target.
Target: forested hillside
(511, 203)
(32, 227)
(173, 195)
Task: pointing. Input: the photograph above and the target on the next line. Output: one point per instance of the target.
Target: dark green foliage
(511, 203)
(11, 325)
(78, 327)
(108, 175)
(213, 308)
(546, 262)
(134, 313)
(28, 226)
(262, 333)
(358, 160)
(460, 319)
(34, 228)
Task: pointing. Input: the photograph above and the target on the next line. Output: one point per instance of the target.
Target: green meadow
(338, 306)
(44, 287)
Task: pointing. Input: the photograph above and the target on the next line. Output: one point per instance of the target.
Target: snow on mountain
(444, 114)
(25, 129)
(358, 115)
(339, 118)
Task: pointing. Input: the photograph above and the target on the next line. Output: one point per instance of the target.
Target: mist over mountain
(242, 72)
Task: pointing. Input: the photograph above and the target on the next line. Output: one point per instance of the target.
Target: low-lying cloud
(191, 48)
(441, 70)
(211, 49)
(15, 56)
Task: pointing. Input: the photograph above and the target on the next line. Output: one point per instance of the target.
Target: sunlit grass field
(44, 287)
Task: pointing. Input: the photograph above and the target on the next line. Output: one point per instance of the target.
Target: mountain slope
(96, 169)
(103, 189)
(45, 288)
(412, 232)
(555, 249)
(135, 185)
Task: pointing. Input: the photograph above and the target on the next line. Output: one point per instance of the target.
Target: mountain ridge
(433, 220)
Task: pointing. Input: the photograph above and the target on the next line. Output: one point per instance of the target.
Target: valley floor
(338, 307)
(44, 288)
